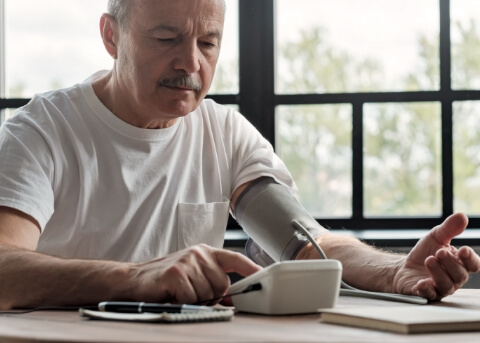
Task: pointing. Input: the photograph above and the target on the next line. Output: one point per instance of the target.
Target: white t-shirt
(103, 189)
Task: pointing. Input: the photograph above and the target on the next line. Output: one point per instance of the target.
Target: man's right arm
(30, 279)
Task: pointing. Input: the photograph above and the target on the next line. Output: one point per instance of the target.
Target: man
(119, 188)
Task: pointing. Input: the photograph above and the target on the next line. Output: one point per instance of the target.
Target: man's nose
(188, 58)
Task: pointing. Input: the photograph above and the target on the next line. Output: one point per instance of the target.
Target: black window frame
(257, 101)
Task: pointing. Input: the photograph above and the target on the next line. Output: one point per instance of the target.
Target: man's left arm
(433, 269)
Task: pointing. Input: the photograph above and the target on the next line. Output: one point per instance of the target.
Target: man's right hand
(30, 279)
(195, 274)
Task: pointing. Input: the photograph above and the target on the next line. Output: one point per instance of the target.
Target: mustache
(184, 81)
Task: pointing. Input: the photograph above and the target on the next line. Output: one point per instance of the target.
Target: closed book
(405, 319)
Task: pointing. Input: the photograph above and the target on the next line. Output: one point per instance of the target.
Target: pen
(142, 307)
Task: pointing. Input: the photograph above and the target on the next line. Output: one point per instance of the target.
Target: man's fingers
(231, 261)
(188, 276)
(178, 285)
(439, 237)
(206, 275)
(453, 226)
(453, 267)
(424, 288)
(218, 283)
(447, 271)
(210, 279)
(470, 259)
(441, 280)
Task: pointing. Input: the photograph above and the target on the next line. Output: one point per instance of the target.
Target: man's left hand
(434, 268)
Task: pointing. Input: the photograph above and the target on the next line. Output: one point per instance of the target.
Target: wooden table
(54, 326)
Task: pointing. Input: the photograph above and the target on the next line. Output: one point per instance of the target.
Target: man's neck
(110, 96)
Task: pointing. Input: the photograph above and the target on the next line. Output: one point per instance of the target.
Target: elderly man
(119, 188)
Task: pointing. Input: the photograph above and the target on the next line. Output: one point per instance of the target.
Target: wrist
(396, 271)
(122, 282)
(109, 281)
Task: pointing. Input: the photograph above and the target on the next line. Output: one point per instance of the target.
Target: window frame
(257, 101)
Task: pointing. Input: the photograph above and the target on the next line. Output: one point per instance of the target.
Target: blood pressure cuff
(265, 210)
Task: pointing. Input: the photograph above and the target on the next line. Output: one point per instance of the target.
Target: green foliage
(16, 91)
(466, 56)
(466, 150)
(402, 144)
(428, 77)
(314, 66)
(315, 144)
(226, 78)
(402, 159)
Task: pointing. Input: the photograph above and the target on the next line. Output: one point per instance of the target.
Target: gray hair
(119, 10)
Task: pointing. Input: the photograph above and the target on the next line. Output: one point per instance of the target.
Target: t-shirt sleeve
(26, 171)
(253, 156)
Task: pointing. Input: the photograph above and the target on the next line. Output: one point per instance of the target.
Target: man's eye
(209, 44)
(165, 40)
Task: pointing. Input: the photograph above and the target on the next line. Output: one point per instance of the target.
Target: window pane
(315, 143)
(326, 46)
(226, 79)
(52, 44)
(402, 160)
(466, 156)
(465, 36)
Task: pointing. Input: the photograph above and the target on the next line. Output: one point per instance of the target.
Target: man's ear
(109, 31)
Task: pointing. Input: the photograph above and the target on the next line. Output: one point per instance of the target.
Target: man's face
(167, 54)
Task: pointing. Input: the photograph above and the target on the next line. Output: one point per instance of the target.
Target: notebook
(217, 315)
(405, 319)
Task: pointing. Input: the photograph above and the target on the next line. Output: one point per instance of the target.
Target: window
(465, 39)
(402, 159)
(466, 162)
(356, 46)
(373, 109)
(315, 142)
(51, 44)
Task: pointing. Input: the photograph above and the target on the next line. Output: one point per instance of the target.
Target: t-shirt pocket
(202, 223)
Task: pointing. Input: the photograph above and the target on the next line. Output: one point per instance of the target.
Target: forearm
(364, 267)
(29, 279)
